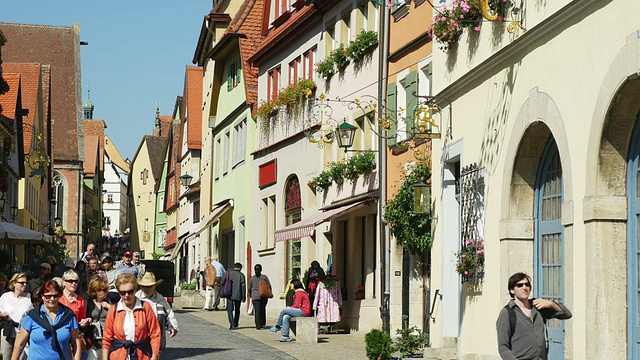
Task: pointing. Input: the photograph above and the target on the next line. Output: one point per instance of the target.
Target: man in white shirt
(220, 273)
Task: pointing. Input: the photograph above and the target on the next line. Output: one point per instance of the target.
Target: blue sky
(136, 57)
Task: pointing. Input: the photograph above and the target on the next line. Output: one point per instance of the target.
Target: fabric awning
(215, 215)
(181, 241)
(307, 226)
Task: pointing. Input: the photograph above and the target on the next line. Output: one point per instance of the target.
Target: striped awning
(307, 226)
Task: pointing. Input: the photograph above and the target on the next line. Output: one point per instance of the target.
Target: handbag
(264, 290)
(250, 310)
(225, 292)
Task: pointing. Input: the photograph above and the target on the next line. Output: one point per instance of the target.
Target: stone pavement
(329, 346)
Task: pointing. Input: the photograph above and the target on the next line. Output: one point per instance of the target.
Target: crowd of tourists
(97, 308)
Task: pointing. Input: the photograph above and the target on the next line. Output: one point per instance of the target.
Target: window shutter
(238, 71)
(230, 77)
(411, 87)
(392, 113)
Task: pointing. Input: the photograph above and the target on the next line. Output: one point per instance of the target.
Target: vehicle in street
(164, 270)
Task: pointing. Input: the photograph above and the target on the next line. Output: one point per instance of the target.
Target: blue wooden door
(549, 242)
(633, 252)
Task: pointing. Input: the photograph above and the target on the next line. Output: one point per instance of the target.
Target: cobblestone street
(200, 339)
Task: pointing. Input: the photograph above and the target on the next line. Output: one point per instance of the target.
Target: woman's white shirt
(15, 306)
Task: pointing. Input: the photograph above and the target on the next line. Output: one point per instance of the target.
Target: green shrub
(378, 344)
(410, 341)
(188, 286)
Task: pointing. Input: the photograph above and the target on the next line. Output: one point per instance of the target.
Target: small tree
(378, 344)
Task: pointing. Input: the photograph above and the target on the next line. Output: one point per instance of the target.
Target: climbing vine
(411, 231)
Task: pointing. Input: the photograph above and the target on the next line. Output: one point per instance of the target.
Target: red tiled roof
(30, 83)
(93, 149)
(193, 106)
(9, 100)
(248, 21)
(284, 34)
(56, 46)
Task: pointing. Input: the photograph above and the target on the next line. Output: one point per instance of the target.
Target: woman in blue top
(49, 328)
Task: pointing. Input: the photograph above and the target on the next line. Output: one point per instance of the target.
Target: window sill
(400, 12)
(267, 252)
(281, 19)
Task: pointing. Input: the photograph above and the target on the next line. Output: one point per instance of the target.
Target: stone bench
(306, 329)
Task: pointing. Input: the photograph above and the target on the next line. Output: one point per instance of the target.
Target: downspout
(385, 247)
(79, 234)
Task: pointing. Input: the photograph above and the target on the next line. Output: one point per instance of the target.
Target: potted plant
(188, 296)
(410, 341)
(364, 42)
(337, 170)
(377, 344)
(447, 25)
(470, 260)
(340, 58)
(325, 68)
(360, 293)
(321, 182)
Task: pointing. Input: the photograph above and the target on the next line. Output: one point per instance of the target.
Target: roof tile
(56, 46)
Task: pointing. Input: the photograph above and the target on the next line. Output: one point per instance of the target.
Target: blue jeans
(233, 312)
(285, 315)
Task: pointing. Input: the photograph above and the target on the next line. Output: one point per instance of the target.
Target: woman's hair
(70, 274)
(14, 278)
(126, 279)
(96, 284)
(297, 284)
(315, 263)
(49, 286)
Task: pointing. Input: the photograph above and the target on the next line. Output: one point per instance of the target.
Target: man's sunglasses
(130, 292)
(519, 285)
(51, 296)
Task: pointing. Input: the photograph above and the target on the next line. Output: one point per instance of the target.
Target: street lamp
(57, 221)
(185, 180)
(346, 134)
(422, 199)
(14, 213)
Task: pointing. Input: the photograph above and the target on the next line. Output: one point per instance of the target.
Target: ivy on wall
(412, 231)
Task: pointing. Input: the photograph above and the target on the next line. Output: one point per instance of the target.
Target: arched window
(293, 214)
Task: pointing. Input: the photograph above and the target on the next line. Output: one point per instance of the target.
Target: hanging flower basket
(470, 261)
(447, 26)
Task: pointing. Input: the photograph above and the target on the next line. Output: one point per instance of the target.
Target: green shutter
(238, 70)
(230, 77)
(411, 87)
(392, 113)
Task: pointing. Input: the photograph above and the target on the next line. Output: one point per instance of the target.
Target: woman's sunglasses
(72, 281)
(51, 296)
(130, 292)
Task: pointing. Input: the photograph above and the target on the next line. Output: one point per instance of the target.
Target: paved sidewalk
(329, 346)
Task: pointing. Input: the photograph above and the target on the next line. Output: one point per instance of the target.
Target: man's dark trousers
(233, 312)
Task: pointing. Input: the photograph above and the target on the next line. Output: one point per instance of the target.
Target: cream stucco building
(541, 160)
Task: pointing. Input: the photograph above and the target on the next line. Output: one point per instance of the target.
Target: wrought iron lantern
(185, 179)
(346, 134)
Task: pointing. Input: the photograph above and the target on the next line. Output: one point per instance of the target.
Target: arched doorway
(549, 241)
(633, 249)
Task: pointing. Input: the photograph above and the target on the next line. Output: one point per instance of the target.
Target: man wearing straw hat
(160, 305)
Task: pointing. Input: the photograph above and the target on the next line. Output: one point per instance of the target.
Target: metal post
(382, 173)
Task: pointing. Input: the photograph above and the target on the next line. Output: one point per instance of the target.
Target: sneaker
(274, 329)
(285, 339)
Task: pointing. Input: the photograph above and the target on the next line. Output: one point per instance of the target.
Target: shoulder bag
(225, 292)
